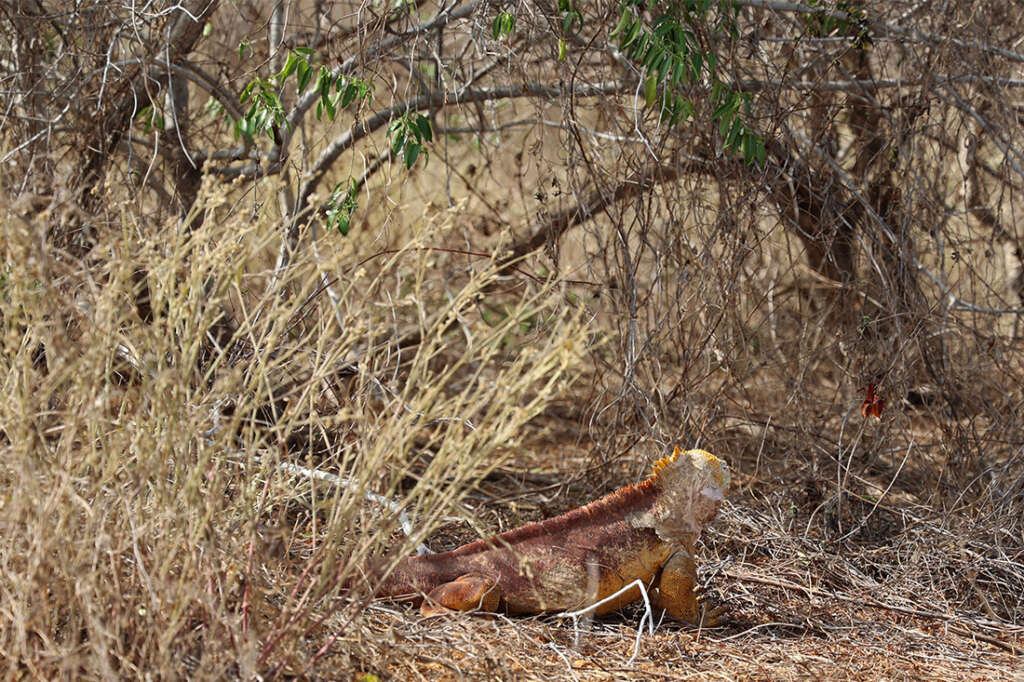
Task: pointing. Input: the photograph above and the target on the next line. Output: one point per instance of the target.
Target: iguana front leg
(469, 592)
(675, 592)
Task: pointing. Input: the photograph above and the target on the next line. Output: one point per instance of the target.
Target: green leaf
(632, 35)
(723, 125)
(625, 21)
(688, 109)
(305, 74)
(323, 81)
(696, 63)
(341, 206)
(640, 47)
(650, 90)
(412, 150)
(423, 123)
(289, 67)
(349, 94)
(503, 25)
(732, 138)
(562, 50)
(652, 56)
(396, 143)
(735, 100)
(678, 72)
(271, 99)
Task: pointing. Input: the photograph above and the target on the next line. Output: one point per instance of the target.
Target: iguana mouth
(715, 494)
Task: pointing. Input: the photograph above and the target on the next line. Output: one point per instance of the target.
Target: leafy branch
(342, 205)
(504, 24)
(408, 133)
(266, 112)
(673, 58)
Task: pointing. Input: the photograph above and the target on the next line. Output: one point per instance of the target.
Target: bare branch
(883, 28)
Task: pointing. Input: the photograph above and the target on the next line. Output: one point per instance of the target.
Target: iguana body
(645, 531)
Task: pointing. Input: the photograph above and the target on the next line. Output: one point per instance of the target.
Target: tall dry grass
(148, 527)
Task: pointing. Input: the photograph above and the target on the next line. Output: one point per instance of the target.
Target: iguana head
(690, 488)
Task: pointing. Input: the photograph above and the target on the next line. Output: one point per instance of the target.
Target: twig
(953, 301)
(394, 507)
(870, 601)
(194, 74)
(872, 84)
(882, 27)
(881, 497)
(443, 18)
(459, 130)
(1006, 646)
(643, 180)
(568, 666)
(648, 616)
(429, 102)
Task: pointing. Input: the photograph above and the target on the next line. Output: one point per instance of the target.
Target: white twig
(648, 616)
(874, 84)
(392, 506)
(536, 121)
(568, 666)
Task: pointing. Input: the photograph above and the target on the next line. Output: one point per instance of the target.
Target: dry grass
(144, 506)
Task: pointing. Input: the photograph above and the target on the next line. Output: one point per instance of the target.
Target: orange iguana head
(689, 488)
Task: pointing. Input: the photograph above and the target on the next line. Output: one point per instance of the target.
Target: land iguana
(645, 531)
